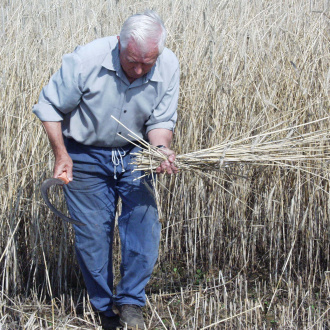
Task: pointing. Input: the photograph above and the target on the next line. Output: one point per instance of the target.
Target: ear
(118, 38)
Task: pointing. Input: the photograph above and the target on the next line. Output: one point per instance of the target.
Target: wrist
(60, 152)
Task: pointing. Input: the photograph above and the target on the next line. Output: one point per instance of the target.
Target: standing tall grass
(249, 251)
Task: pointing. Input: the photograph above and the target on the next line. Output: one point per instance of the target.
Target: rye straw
(294, 149)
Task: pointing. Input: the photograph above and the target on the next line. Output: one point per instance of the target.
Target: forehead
(148, 53)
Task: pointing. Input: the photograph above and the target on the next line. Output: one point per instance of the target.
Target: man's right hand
(63, 162)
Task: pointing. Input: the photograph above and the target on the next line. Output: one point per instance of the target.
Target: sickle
(44, 192)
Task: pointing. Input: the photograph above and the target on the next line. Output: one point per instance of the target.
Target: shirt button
(125, 111)
(119, 133)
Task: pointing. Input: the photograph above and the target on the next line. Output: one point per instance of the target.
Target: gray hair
(142, 28)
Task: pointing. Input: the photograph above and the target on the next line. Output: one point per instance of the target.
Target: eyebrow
(133, 61)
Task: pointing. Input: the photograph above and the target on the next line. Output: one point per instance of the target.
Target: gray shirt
(91, 86)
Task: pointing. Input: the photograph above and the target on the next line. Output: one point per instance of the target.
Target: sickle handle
(64, 177)
(44, 192)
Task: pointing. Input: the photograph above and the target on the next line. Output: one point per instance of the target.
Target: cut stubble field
(245, 241)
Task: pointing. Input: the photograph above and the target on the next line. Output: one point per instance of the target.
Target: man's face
(136, 63)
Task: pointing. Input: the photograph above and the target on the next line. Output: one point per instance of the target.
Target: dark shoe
(110, 323)
(130, 316)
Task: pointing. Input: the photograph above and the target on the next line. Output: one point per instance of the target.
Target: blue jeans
(100, 177)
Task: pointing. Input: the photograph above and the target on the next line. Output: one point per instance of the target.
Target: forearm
(54, 133)
(160, 136)
(63, 162)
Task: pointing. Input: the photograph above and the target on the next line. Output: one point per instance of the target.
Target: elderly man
(135, 79)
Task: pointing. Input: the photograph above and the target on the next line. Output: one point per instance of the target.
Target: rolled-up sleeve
(63, 92)
(165, 113)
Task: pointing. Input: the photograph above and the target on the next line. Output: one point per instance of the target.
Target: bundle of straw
(262, 149)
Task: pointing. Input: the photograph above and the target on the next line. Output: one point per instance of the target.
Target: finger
(63, 176)
(171, 158)
(174, 169)
(169, 169)
(58, 170)
(165, 165)
(69, 173)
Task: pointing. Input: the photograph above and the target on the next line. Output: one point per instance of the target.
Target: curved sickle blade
(44, 192)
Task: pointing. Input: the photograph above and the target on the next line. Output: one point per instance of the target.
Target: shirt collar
(112, 62)
(154, 74)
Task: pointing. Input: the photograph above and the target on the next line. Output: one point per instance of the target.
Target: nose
(138, 68)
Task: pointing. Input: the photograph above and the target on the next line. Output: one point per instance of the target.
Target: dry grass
(244, 247)
(262, 149)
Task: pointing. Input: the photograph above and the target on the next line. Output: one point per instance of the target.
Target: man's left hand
(167, 166)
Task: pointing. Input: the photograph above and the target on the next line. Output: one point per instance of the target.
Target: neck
(131, 80)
